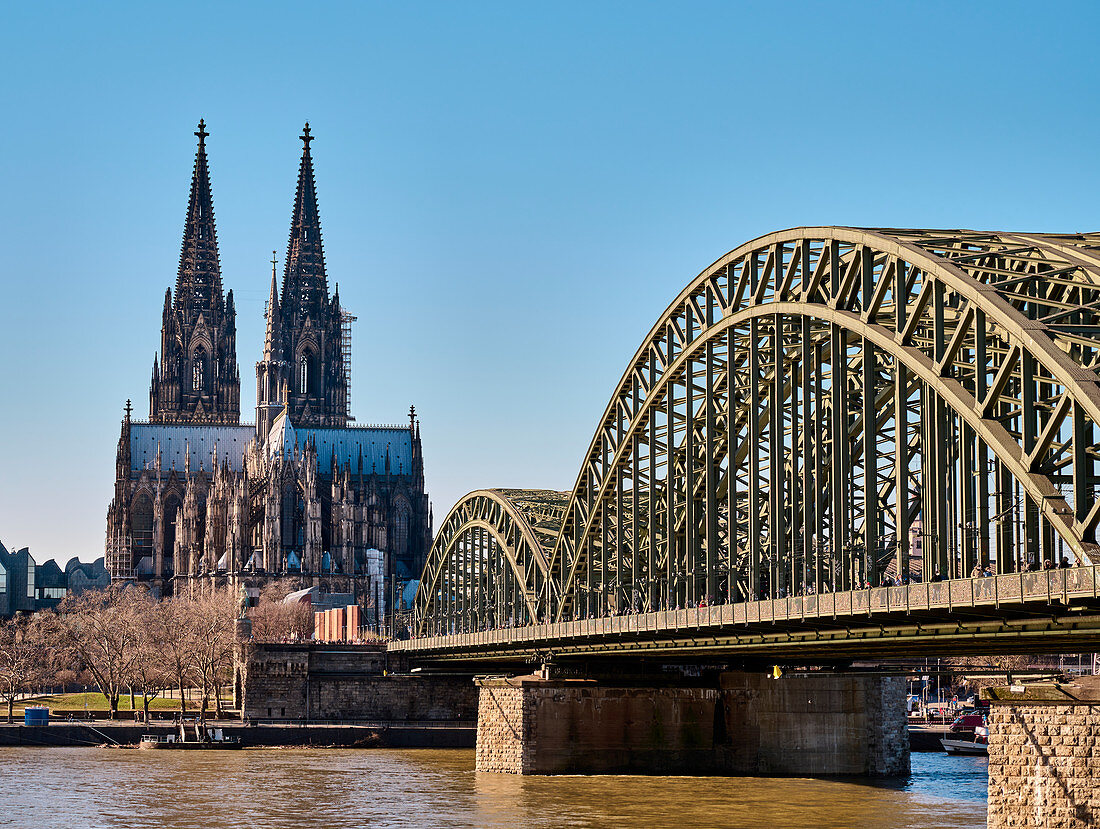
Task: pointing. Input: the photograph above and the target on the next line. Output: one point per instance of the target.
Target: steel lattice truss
(818, 408)
(489, 561)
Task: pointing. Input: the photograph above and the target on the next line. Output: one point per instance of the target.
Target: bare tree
(214, 617)
(99, 628)
(273, 620)
(150, 674)
(25, 658)
(1002, 667)
(173, 626)
(279, 622)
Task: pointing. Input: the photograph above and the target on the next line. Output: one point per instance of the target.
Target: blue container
(36, 716)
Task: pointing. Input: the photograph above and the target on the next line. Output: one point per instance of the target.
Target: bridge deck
(1018, 612)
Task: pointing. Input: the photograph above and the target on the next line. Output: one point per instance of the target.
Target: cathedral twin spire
(305, 285)
(199, 280)
(195, 377)
(303, 345)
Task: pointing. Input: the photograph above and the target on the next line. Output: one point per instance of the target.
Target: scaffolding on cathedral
(119, 559)
(346, 319)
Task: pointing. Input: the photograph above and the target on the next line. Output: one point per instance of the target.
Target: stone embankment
(329, 682)
(359, 735)
(1043, 758)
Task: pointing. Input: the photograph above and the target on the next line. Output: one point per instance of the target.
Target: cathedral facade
(201, 498)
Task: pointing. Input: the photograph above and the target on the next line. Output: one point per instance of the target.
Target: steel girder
(488, 563)
(822, 403)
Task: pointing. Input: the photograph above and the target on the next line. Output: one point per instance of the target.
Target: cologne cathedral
(201, 498)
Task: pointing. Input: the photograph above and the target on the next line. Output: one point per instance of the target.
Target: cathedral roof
(177, 442)
(373, 443)
(282, 439)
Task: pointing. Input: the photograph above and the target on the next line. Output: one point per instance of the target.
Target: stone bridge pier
(745, 724)
(1043, 763)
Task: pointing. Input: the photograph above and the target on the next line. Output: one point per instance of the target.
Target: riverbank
(367, 735)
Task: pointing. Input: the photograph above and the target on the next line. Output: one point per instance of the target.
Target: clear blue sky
(510, 193)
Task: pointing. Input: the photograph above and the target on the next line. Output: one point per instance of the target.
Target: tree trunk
(183, 701)
(112, 702)
(133, 705)
(218, 701)
(11, 708)
(145, 705)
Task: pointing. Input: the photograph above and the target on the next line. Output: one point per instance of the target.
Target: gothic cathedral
(202, 499)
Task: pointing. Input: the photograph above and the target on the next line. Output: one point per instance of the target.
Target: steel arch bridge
(819, 410)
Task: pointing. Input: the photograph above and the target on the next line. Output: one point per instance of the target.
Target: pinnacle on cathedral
(196, 378)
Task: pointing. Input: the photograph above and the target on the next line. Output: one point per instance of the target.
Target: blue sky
(511, 193)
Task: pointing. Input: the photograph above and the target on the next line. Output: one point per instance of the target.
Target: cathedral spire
(305, 286)
(271, 338)
(198, 378)
(199, 281)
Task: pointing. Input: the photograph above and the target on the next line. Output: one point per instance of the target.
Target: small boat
(979, 745)
(199, 736)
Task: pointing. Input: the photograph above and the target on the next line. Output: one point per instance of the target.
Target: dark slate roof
(176, 439)
(373, 441)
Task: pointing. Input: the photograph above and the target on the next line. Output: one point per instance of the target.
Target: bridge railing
(1046, 586)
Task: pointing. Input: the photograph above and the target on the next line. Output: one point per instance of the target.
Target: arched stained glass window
(401, 528)
(142, 526)
(198, 370)
(171, 516)
(308, 373)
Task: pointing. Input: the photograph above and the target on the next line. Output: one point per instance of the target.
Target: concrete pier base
(1044, 770)
(748, 725)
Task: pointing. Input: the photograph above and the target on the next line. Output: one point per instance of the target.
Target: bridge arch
(823, 406)
(488, 563)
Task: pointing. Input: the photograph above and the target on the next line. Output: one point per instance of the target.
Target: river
(92, 788)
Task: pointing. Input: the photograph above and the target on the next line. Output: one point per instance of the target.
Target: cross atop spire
(305, 136)
(202, 133)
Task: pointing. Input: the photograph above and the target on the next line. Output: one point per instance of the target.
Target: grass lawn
(98, 702)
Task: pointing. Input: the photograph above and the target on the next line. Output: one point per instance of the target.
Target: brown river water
(88, 788)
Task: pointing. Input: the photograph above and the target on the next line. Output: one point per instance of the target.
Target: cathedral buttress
(197, 379)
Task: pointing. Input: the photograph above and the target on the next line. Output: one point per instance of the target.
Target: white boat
(200, 737)
(979, 745)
